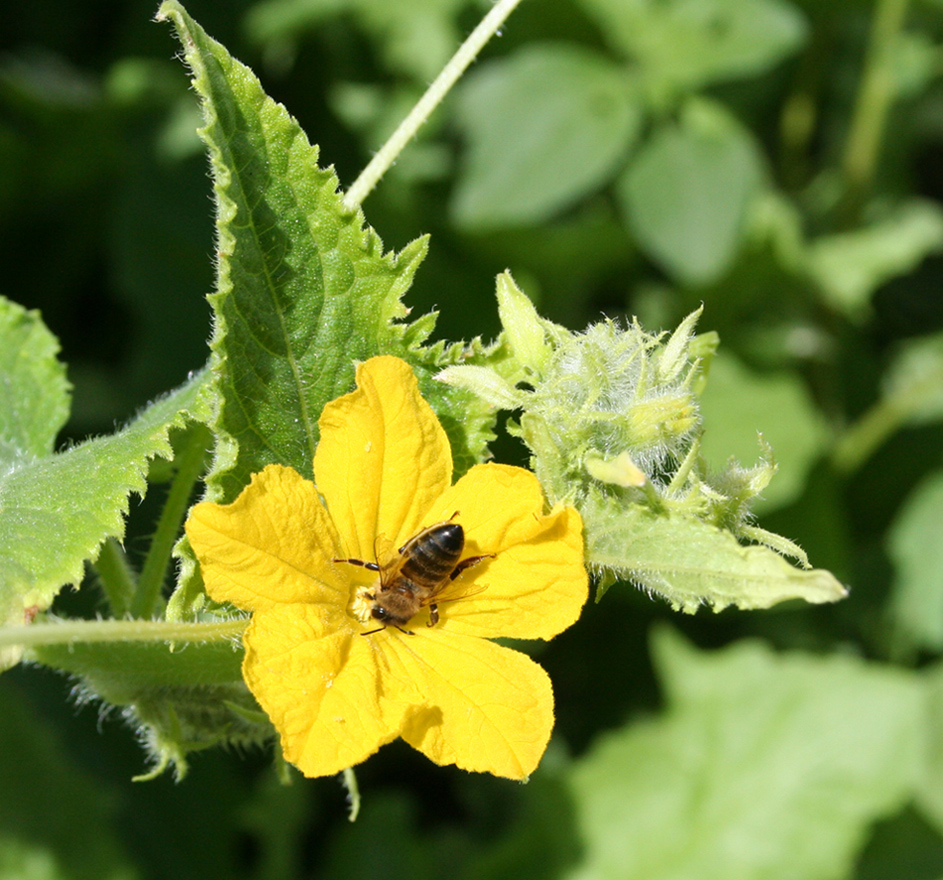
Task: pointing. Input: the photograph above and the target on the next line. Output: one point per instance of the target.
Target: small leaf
(917, 552)
(415, 38)
(56, 510)
(691, 563)
(34, 393)
(545, 127)
(526, 331)
(684, 45)
(687, 192)
(764, 765)
(739, 404)
(850, 266)
(913, 383)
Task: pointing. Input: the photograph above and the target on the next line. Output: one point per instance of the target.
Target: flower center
(362, 603)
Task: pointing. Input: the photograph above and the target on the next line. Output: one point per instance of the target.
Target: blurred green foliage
(776, 161)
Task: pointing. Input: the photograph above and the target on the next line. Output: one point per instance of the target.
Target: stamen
(362, 604)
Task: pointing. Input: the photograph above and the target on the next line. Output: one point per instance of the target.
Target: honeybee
(417, 574)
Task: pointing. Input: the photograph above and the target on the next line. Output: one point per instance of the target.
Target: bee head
(380, 613)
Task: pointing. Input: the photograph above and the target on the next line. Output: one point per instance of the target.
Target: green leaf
(415, 37)
(687, 192)
(911, 394)
(56, 510)
(763, 766)
(915, 548)
(684, 45)
(738, 404)
(850, 266)
(34, 392)
(913, 383)
(545, 127)
(691, 563)
(929, 793)
(303, 289)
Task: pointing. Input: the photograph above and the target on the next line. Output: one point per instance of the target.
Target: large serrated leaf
(56, 510)
(763, 766)
(693, 563)
(303, 289)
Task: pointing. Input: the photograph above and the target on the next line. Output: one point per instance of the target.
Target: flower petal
(490, 708)
(536, 585)
(329, 692)
(274, 543)
(383, 457)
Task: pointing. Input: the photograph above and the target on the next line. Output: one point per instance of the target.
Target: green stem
(868, 433)
(407, 129)
(116, 576)
(878, 423)
(874, 101)
(85, 631)
(349, 778)
(189, 468)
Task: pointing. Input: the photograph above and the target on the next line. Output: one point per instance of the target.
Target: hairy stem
(407, 129)
(84, 631)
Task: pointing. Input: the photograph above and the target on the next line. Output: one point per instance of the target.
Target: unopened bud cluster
(610, 409)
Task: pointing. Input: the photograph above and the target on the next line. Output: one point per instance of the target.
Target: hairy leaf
(303, 289)
(55, 510)
(691, 563)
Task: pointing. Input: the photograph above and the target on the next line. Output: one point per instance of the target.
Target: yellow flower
(335, 681)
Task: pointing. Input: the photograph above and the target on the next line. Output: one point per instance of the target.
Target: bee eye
(380, 613)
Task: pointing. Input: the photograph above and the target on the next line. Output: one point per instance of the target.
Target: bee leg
(372, 566)
(405, 632)
(468, 563)
(433, 614)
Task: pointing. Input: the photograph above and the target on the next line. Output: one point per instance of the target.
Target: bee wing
(451, 591)
(387, 556)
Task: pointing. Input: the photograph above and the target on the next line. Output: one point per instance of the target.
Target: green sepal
(179, 700)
